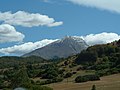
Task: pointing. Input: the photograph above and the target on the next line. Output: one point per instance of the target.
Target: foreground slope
(111, 82)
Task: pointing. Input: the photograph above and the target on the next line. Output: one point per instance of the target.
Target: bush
(74, 72)
(86, 78)
(67, 75)
(80, 79)
(57, 79)
(50, 73)
(54, 80)
(107, 72)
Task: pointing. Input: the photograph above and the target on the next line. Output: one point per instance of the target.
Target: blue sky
(78, 20)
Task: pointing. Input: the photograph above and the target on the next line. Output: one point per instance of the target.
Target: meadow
(111, 82)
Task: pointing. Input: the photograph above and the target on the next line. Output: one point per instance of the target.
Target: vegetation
(17, 71)
(93, 87)
(20, 79)
(14, 61)
(34, 72)
(105, 59)
(86, 78)
(67, 75)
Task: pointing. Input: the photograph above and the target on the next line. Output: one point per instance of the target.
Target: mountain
(67, 46)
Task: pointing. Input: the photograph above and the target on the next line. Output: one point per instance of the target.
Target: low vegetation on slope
(105, 59)
(32, 72)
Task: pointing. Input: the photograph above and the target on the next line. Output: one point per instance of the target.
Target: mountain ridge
(62, 48)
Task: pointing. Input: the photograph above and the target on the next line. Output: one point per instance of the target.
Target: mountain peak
(67, 46)
(72, 39)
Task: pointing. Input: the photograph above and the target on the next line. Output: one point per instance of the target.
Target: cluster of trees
(20, 79)
(14, 61)
(49, 81)
(86, 78)
(105, 59)
(2, 85)
(17, 71)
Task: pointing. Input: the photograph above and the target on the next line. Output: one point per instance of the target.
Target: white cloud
(91, 39)
(110, 5)
(55, 24)
(26, 47)
(9, 34)
(26, 19)
(101, 38)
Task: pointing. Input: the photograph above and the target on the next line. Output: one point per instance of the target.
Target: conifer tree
(93, 87)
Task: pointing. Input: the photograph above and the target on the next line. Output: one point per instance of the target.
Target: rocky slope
(67, 46)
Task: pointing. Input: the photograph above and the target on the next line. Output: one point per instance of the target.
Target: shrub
(74, 72)
(67, 75)
(86, 78)
(57, 79)
(80, 79)
(54, 80)
(92, 77)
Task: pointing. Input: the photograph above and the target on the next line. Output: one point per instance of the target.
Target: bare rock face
(69, 45)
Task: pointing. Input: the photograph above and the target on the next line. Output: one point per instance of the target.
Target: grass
(111, 82)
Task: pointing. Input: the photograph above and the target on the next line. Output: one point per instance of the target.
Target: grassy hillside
(111, 82)
(104, 59)
(72, 73)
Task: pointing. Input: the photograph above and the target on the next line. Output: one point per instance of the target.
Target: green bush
(20, 79)
(86, 78)
(67, 75)
(80, 79)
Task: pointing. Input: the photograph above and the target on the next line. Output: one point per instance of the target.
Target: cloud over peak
(110, 5)
(9, 34)
(26, 19)
(26, 47)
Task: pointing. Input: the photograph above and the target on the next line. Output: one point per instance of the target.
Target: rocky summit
(67, 46)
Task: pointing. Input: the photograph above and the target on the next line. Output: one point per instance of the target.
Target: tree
(67, 75)
(51, 71)
(93, 87)
(1, 83)
(20, 79)
(80, 79)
